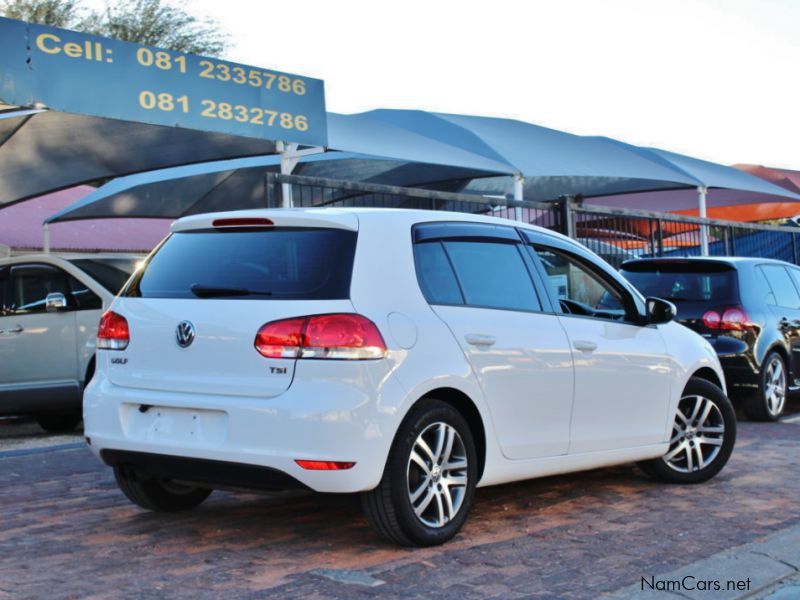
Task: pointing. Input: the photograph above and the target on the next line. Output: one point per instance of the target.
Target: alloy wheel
(697, 435)
(775, 386)
(437, 474)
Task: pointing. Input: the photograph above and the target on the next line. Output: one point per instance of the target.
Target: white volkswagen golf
(409, 356)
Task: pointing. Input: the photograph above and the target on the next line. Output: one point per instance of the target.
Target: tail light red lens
(113, 332)
(729, 319)
(325, 465)
(341, 336)
(711, 319)
(735, 319)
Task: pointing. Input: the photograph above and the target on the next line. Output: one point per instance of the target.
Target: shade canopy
(731, 204)
(239, 184)
(553, 163)
(478, 155)
(44, 151)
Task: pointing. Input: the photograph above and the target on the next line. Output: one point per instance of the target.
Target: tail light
(735, 319)
(729, 319)
(335, 336)
(711, 319)
(113, 333)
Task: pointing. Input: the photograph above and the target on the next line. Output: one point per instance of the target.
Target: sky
(716, 79)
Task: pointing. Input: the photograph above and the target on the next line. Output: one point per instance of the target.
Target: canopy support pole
(290, 156)
(46, 243)
(519, 195)
(701, 205)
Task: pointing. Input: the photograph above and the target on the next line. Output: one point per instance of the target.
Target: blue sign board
(77, 73)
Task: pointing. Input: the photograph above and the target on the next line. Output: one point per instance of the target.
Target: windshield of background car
(111, 273)
(277, 264)
(684, 282)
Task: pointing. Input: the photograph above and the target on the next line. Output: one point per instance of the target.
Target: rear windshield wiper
(211, 291)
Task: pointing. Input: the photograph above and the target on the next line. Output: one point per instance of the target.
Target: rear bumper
(736, 359)
(244, 441)
(200, 471)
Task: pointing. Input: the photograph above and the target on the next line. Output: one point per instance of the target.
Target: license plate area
(174, 426)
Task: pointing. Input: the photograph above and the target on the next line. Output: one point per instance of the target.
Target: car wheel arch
(469, 410)
(710, 375)
(90, 368)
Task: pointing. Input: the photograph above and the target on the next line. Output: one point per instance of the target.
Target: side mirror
(55, 302)
(660, 311)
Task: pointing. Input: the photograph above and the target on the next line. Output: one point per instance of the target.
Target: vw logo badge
(184, 334)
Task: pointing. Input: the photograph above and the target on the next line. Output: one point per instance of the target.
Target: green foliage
(57, 13)
(149, 22)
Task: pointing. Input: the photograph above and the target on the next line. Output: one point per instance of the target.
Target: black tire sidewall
(425, 413)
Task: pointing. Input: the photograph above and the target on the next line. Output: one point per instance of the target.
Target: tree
(56, 13)
(149, 22)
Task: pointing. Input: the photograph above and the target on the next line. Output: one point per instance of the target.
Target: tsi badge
(184, 334)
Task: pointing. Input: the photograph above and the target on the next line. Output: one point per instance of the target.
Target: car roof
(349, 218)
(731, 260)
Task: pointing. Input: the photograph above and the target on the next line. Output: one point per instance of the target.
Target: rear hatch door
(219, 286)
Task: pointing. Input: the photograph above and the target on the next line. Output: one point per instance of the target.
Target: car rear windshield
(684, 282)
(111, 273)
(264, 264)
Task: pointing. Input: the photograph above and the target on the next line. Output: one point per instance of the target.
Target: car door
(478, 279)
(784, 304)
(42, 343)
(622, 382)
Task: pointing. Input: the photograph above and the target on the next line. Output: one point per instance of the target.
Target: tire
(688, 459)
(768, 402)
(424, 518)
(58, 422)
(156, 494)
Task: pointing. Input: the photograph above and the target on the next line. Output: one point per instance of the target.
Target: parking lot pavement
(23, 434)
(67, 532)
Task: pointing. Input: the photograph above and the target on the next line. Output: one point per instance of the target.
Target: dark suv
(747, 308)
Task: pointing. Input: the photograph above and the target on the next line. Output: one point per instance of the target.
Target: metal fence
(615, 234)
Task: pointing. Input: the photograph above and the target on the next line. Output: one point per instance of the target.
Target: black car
(747, 308)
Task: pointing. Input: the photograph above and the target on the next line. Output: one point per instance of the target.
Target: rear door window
(111, 273)
(492, 275)
(267, 264)
(782, 287)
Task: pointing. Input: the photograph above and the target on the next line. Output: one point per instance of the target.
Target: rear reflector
(342, 336)
(325, 465)
(113, 333)
(242, 222)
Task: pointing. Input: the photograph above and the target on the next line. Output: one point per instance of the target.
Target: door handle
(17, 329)
(584, 345)
(480, 339)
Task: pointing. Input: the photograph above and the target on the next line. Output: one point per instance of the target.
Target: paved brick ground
(66, 532)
